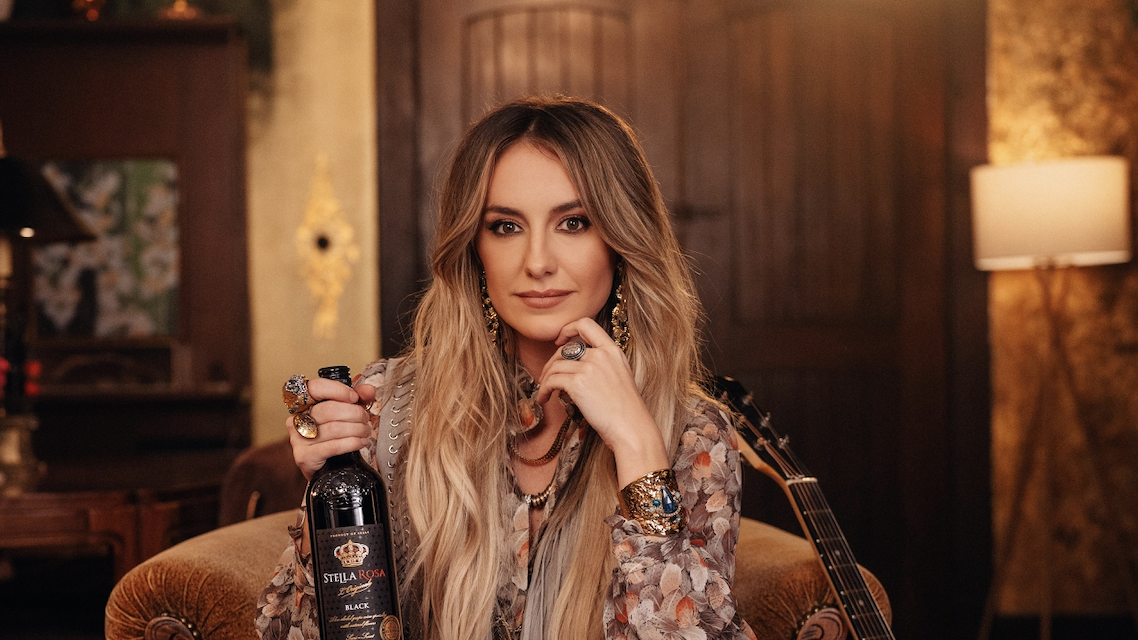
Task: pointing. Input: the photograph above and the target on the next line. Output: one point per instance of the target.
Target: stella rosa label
(355, 595)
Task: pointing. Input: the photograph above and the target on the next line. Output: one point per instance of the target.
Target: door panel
(812, 149)
(823, 270)
(535, 50)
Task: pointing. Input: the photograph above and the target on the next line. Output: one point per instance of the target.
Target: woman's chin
(538, 339)
(538, 336)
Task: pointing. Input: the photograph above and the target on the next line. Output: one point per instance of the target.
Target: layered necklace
(539, 499)
(531, 414)
(555, 449)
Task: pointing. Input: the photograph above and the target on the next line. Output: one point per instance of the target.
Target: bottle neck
(344, 459)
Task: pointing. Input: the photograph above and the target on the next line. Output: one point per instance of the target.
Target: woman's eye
(504, 227)
(574, 224)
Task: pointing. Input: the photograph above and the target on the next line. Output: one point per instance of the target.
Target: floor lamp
(1048, 216)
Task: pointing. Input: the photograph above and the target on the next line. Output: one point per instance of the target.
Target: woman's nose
(540, 259)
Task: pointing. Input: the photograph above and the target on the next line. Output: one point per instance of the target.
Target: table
(75, 520)
(132, 524)
(91, 507)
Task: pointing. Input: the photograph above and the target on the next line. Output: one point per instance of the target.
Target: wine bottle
(352, 564)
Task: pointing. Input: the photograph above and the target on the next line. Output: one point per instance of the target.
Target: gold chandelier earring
(620, 333)
(488, 312)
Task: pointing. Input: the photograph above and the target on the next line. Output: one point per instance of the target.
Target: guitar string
(868, 615)
(869, 620)
(831, 539)
(837, 555)
(849, 577)
(825, 536)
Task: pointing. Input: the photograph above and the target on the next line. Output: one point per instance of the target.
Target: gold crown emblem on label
(351, 554)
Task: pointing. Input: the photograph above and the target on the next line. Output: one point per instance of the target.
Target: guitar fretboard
(838, 560)
(772, 455)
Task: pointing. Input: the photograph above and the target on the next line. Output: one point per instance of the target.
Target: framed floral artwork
(125, 283)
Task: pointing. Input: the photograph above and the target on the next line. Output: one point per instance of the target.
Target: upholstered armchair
(206, 588)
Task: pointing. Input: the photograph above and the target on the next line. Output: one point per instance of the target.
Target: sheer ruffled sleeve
(679, 586)
(287, 606)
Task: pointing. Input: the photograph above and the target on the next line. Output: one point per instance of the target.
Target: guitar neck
(770, 453)
(822, 530)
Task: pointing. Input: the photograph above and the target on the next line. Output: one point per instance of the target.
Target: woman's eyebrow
(561, 208)
(568, 206)
(497, 208)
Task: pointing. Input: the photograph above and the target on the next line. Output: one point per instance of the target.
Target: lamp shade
(1071, 212)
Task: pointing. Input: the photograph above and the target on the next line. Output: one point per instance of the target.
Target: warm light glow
(27, 232)
(180, 10)
(1072, 212)
(5, 257)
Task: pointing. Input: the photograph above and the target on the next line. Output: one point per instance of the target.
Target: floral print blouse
(676, 587)
(679, 586)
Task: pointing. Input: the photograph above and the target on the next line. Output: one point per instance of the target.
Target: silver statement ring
(295, 394)
(305, 425)
(573, 350)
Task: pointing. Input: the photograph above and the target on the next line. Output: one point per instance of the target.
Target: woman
(556, 418)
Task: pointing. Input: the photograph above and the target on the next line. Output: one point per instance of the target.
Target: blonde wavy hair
(465, 389)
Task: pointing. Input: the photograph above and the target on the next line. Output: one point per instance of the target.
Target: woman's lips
(543, 299)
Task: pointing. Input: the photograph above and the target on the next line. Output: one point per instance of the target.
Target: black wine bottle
(352, 564)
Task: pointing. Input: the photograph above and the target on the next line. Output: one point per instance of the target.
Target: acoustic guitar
(770, 453)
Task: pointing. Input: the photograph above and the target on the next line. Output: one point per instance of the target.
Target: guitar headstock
(771, 454)
(755, 427)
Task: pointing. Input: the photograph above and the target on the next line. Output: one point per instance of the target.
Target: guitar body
(770, 453)
(826, 623)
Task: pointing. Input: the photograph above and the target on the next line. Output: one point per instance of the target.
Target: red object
(4, 367)
(32, 371)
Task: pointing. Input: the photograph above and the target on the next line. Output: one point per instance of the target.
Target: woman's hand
(343, 423)
(601, 385)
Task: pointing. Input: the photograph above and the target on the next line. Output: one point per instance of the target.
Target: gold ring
(295, 394)
(305, 424)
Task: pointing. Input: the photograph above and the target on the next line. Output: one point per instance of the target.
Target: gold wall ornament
(327, 248)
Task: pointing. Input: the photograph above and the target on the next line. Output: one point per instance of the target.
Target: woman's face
(546, 265)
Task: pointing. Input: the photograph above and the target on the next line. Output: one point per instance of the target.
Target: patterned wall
(318, 102)
(1063, 80)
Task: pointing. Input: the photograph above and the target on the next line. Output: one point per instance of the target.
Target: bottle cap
(340, 374)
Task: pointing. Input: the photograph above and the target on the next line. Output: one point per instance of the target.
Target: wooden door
(815, 161)
(816, 216)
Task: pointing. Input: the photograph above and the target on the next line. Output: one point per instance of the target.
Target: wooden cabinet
(172, 90)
